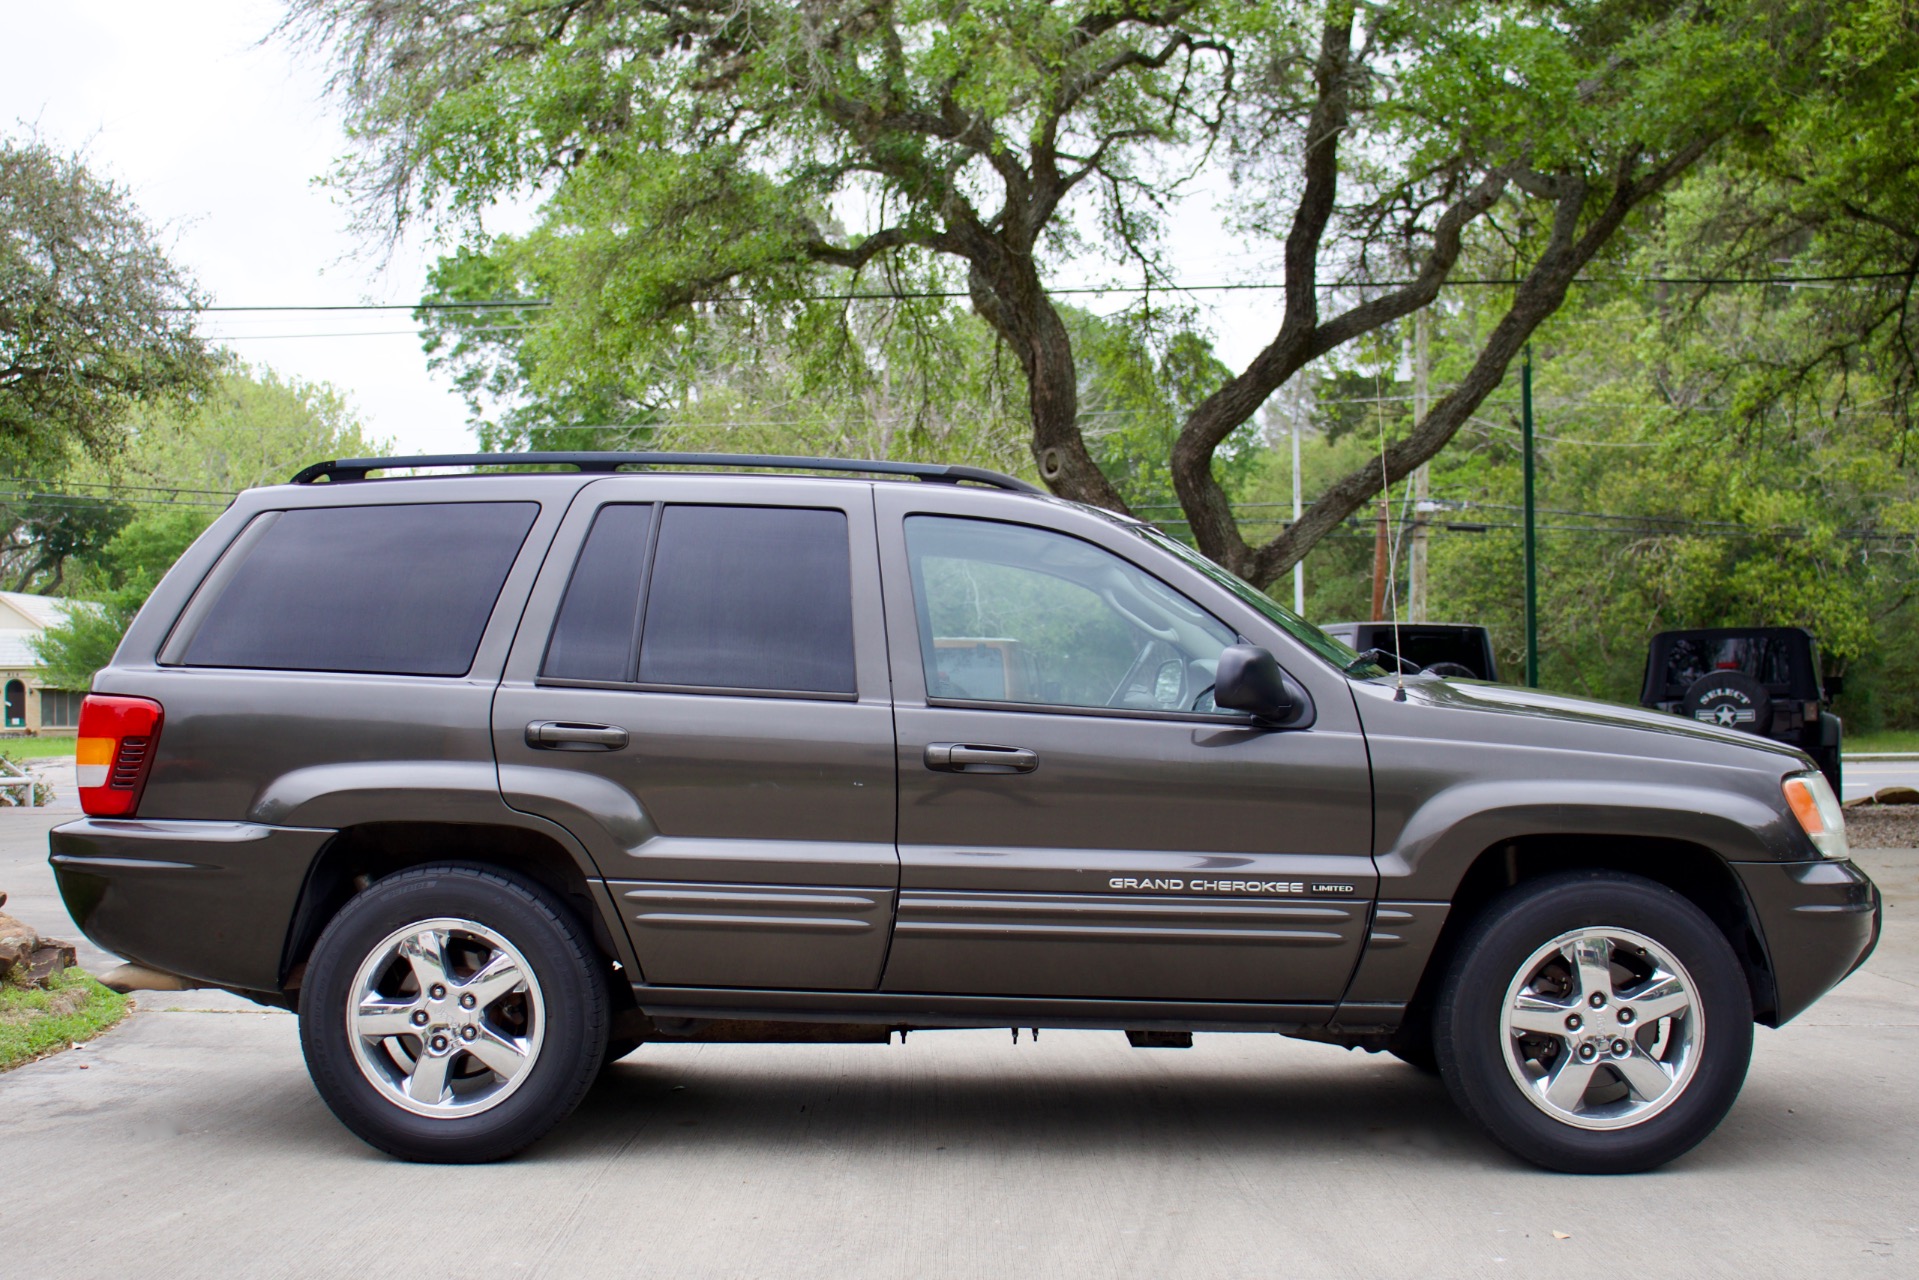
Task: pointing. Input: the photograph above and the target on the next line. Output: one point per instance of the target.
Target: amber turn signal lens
(1811, 799)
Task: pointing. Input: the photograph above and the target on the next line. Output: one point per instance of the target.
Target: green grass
(73, 1010)
(1884, 740)
(35, 748)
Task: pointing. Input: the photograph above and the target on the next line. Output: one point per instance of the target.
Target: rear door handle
(568, 735)
(967, 757)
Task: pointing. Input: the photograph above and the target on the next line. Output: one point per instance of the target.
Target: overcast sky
(220, 139)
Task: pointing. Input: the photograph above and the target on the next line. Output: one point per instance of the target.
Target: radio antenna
(1392, 548)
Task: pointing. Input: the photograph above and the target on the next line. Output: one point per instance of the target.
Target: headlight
(1812, 802)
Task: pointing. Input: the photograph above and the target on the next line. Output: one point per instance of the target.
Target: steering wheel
(1117, 698)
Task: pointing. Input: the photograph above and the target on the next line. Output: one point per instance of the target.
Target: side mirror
(1835, 685)
(1248, 680)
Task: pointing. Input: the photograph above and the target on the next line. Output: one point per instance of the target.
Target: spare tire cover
(1730, 699)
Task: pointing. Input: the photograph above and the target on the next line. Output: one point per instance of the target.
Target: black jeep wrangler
(1763, 680)
(495, 777)
(1457, 650)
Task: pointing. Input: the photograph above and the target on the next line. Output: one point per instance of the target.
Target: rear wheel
(452, 1014)
(1594, 1023)
(619, 1048)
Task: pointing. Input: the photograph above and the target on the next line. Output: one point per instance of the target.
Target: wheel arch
(359, 855)
(1691, 870)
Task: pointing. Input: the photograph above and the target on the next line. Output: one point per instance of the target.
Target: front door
(1076, 819)
(709, 713)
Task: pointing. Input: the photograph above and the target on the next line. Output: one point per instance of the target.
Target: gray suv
(496, 776)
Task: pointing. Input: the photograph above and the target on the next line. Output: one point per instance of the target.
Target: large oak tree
(697, 150)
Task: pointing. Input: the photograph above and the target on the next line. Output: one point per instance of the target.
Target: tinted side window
(750, 598)
(600, 617)
(402, 590)
(1014, 614)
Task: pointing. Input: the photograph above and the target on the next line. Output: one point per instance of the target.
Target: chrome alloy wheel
(1601, 1029)
(446, 1018)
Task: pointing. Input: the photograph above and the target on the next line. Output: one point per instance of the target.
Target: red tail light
(114, 751)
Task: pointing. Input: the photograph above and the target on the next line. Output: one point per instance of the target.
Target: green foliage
(1661, 506)
(45, 529)
(255, 427)
(177, 472)
(709, 172)
(71, 1009)
(716, 179)
(74, 650)
(94, 319)
(1141, 375)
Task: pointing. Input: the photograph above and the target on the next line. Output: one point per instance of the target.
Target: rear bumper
(1819, 920)
(206, 900)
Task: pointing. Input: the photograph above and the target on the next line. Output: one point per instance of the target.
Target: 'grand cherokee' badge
(1205, 884)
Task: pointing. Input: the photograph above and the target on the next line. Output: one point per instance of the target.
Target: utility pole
(1299, 566)
(1532, 575)
(1416, 601)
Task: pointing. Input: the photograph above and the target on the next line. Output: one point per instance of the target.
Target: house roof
(30, 612)
(14, 653)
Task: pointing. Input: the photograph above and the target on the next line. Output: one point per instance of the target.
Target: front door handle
(568, 735)
(967, 757)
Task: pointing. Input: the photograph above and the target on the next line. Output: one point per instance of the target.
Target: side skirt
(675, 1005)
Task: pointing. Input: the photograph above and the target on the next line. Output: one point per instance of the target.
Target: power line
(481, 304)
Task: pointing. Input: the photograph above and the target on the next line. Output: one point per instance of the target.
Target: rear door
(1076, 821)
(709, 709)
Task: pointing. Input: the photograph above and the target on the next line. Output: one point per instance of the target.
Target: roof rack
(341, 470)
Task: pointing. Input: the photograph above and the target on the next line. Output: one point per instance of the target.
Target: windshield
(1291, 623)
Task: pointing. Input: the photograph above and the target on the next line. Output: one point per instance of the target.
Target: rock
(49, 960)
(1896, 795)
(17, 942)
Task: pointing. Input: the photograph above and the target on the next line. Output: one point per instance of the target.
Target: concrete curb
(1879, 755)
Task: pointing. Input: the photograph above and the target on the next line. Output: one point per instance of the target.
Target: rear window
(701, 597)
(1428, 646)
(750, 598)
(393, 590)
(1765, 658)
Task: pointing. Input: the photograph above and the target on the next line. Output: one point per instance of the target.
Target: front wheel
(452, 1014)
(1594, 1023)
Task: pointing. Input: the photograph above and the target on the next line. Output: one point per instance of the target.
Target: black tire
(1513, 930)
(566, 990)
(1412, 1043)
(1827, 758)
(617, 1049)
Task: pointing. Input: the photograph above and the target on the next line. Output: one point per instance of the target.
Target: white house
(27, 704)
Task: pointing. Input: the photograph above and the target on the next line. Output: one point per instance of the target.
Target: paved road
(1863, 777)
(192, 1143)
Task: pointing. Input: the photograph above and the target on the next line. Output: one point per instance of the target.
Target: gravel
(1872, 826)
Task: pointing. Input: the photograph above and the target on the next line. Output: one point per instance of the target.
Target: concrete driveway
(191, 1142)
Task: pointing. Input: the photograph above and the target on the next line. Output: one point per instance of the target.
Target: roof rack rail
(341, 470)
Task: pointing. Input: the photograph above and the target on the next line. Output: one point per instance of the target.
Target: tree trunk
(1008, 295)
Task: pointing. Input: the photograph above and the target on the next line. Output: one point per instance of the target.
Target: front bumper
(1819, 921)
(206, 900)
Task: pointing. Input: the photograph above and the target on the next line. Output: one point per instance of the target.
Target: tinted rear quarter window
(395, 590)
(599, 619)
(754, 598)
